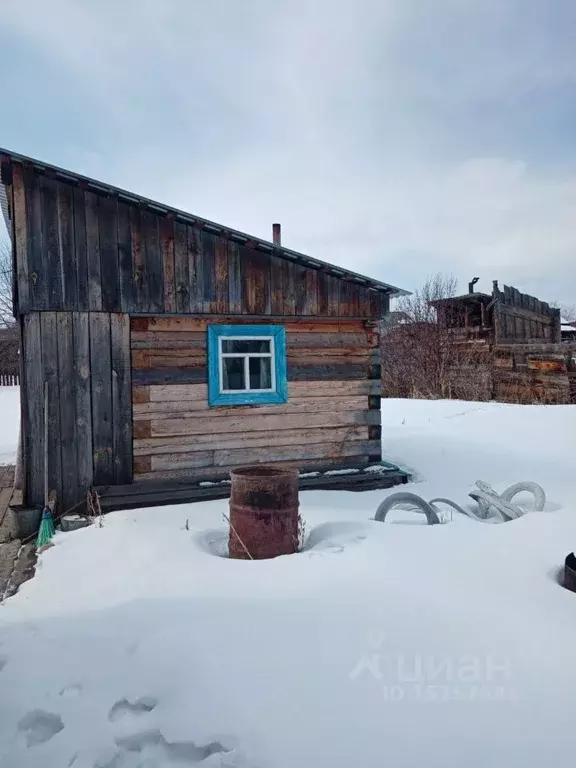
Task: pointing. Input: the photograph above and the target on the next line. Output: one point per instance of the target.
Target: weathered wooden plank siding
(32, 262)
(85, 360)
(534, 372)
(121, 398)
(221, 473)
(139, 275)
(332, 413)
(20, 232)
(108, 235)
(195, 269)
(126, 286)
(94, 303)
(154, 262)
(81, 250)
(167, 244)
(296, 405)
(50, 365)
(67, 246)
(531, 373)
(82, 401)
(33, 408)
(523, 319)
(80, 247)
(208, 271)
(181, 271)
(67, 435)
(51, 244)
(211, 442)
(183, 393)
(101, 375)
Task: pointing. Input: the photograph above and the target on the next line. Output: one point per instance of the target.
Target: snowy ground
(9, 421)
(383, 644)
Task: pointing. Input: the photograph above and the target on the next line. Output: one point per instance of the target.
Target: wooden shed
(174, 349)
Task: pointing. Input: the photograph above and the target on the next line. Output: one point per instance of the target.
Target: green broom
(46, 528)
(47, 523)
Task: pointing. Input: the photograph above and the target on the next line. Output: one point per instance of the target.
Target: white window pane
(260, 373)
(233, 373)
(245, 346)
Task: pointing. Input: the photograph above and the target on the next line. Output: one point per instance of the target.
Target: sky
(398, 138)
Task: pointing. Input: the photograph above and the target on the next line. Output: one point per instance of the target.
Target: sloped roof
(240, 237)
(470, 297)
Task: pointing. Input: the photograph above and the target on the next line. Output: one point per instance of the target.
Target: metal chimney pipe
(276, 234)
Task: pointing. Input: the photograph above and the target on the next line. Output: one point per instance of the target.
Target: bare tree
(419, 306)
(421, 354)
(9, 364)
(568, 312)
(6, 316)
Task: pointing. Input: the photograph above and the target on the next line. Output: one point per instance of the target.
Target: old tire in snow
(406, 498)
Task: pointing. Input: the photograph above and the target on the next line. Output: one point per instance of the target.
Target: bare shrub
(422, 356)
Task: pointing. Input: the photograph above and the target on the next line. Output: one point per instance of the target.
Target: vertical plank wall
(85, 361)
(331, 419)
(84, 250)
(520, 318)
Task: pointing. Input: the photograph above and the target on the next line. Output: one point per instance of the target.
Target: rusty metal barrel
(263, 512)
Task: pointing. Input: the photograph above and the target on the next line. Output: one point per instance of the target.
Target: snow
(9, 421)
(380, 644)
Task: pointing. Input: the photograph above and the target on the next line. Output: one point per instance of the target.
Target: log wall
(534, 373)
(331, 419)
(518, 373)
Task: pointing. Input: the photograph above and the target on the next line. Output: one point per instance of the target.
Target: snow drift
(389, 643)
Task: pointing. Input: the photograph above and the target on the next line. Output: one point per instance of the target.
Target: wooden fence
(523, 319)
(9, 379)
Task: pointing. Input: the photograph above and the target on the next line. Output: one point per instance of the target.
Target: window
(246, 364)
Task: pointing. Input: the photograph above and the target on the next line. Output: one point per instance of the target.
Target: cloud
(397, 137)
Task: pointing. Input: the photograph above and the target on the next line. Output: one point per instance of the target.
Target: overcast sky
(395, 137)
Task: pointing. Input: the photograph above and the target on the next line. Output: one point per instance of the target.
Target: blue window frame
(246, 365)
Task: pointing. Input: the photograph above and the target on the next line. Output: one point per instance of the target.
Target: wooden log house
(511, 347)
(174, 349)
